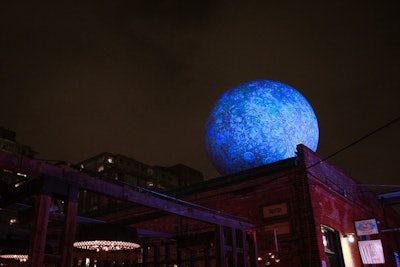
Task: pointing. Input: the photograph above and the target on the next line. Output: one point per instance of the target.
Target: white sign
(371, 251)
(366, 227)
(275, 210)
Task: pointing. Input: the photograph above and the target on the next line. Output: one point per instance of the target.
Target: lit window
(324, 240)
(101, 168)
(110, 160)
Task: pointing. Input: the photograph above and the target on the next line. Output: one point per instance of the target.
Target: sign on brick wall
(371, 251)
(276, 210)
(366, 227)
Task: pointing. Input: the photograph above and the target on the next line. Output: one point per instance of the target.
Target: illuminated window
(110, 160)
(101, 168)
(332, 247)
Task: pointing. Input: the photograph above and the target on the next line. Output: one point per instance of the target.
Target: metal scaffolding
(235, 239)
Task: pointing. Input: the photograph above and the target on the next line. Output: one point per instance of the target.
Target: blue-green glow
(256, 123)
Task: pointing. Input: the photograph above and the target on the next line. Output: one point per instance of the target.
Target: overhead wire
(356, 141)
(386, 125)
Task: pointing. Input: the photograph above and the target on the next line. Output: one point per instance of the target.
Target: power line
(357, 141)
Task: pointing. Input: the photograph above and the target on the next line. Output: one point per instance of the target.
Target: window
(333, 249)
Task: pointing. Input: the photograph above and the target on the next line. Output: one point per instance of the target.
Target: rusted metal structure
(233, 239)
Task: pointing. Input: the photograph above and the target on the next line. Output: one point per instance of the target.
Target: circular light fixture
(106, 237)
(105, 245)
(18, 257)
(12, 249)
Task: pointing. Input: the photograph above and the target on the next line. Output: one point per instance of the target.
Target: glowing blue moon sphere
(256, 123)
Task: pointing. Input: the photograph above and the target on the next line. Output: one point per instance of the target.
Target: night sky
(138, 78)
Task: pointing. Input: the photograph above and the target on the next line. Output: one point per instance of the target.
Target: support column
(234, 248)
(253, 250)
(221, 253)
(37, 242)
(68, 237)
(244, 262)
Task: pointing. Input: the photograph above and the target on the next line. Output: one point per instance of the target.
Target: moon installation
(256, 123)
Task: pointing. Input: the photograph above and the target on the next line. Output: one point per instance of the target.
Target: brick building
(309, 205)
